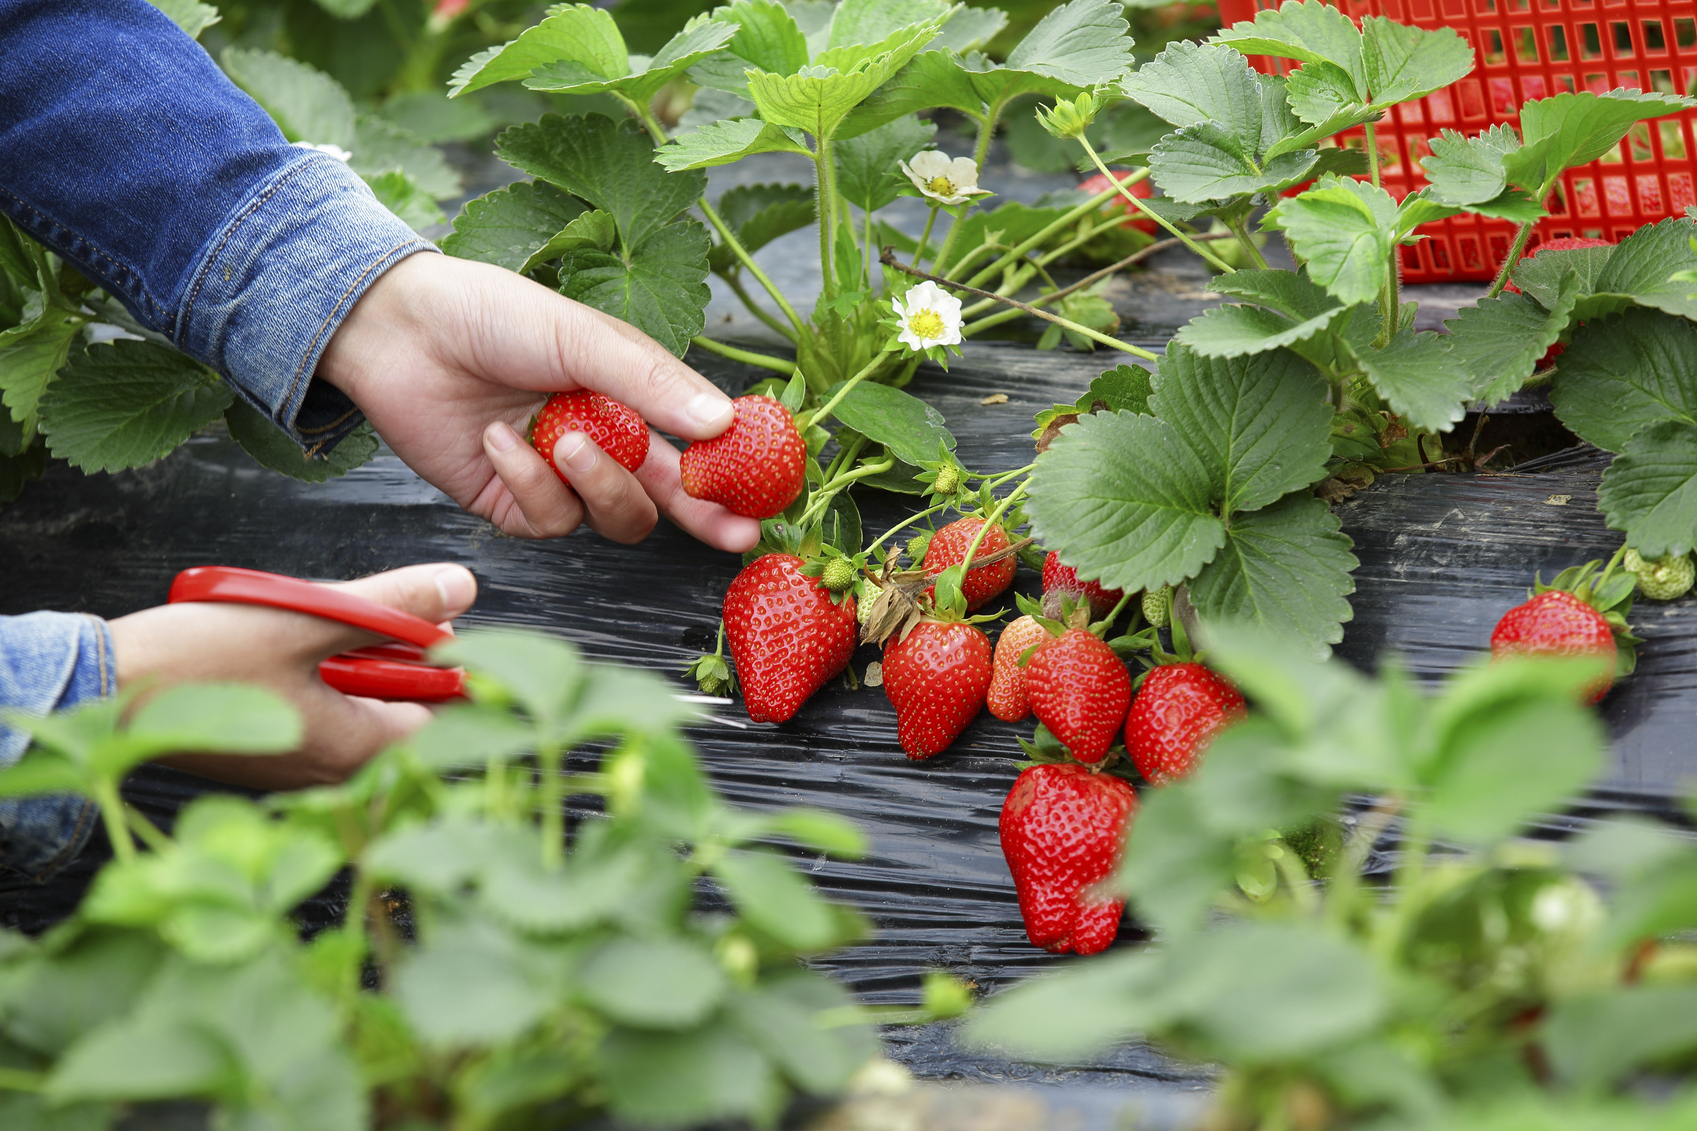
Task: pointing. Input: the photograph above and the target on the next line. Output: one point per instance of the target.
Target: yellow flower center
(925, 324)
(942, 186)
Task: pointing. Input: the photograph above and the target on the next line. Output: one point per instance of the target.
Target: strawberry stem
(825, 410)
(994, 517)
(831, 490)
(906, 522)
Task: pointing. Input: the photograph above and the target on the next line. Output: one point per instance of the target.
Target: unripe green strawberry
(1663, 579)
(917, 545)
(838, 575)
(1155, 602)
(948, 479)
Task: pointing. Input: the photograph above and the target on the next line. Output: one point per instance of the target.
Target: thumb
(436, 592)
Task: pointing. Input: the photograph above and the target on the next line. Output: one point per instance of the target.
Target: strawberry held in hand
(1062, 828)
(1008, 698)
(983, 583)
(1058, 577)
(616, 429)
(936, 677)
(755, 468)
(1080, 690)
(1177, 712)
(787, 635)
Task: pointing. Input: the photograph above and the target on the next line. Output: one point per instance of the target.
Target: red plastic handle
(387, 679)
(251, 587)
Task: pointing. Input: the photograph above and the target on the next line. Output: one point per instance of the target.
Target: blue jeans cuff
(276, 282)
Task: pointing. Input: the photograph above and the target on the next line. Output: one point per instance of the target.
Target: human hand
(449, 359)
(279, 650)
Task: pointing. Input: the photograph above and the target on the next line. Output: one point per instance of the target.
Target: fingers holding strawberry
(755, 468)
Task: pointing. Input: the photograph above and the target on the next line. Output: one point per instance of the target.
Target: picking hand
(279, 650)
(449, 359)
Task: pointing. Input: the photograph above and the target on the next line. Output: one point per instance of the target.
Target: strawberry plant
(557, 964)
(1469, 979)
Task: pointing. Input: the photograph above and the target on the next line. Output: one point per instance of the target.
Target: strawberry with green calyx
(944, 477)
(1664, 579)
(711, 673)
(788, 635)
(756, 467)
(1007, 697)
(1158, 606)
(1581, 613)
(617, 430)
(836, 571)
(1062, 830)
(1058, 577)
(1078, 687)
(993, 565)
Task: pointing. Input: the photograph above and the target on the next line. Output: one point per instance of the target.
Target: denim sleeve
(128, 152)
(48, 661)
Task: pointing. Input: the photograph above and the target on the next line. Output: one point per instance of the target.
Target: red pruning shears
(395, 670)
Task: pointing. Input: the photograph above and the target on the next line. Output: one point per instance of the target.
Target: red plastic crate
(1527, 49)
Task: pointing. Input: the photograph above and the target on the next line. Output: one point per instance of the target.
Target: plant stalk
(889, 260)
(994, 517)
(822, 500)
(747, 357)
(1373, 154)
(906, 522)
(826, 208)
(552, 802)
(1514, 252)
(1077, 212)
(825, 410)
(734, 281)
(747, 261)
(112, 813)
(1124, 190)
(1241, 231)
(924, 238)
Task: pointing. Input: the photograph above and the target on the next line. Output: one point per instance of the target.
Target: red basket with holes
(1527, 49)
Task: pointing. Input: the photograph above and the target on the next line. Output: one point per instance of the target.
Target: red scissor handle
(392, 670)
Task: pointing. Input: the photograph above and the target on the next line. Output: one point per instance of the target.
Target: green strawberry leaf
(1309, 31)
(1650, 491)
(271, 447)
(126, 403)
(1207, 162)
(1124, 388)
(1319, 92)
(700, 37)
(1624, 373)
(509, 226)
(933, 79)
(970, 28)
(1191, 83)
(1234, 331)
(400, 194)
(306, 104)
(380, 145)
(759, 214)
(1346, 230)
(1124, 497)
(1575, 128)
(1641, 268)
(720, 143)
(1082, 43)
(594, 230)
(574, 34)
(1260, 425)
(1500, 340)
(609, 164)
(868, 166)
(1542, 275)
(1403, 62)
(864, 23)
(767, 38)
(190, 15)
(30, 356)
(1289, 292)
(912, 430)
(1285, 568)
(1419, 377)
(1465, 171)
(660, 286)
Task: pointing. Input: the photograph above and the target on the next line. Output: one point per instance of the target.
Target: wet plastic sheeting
(1442, 557)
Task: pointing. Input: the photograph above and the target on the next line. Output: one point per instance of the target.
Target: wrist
(378, 320)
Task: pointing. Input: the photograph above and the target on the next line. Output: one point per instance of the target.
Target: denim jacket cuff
(275, 282)
(48, 661)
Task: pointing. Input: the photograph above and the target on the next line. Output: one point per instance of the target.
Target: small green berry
(1155, 604)
(838, 575)
(917, 545)
(948, 479)
(1663, 579)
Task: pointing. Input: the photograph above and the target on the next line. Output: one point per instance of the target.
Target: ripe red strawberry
(1556, 623)
(1080, 690)
(787, 636)
(1062, 828)
(756, 467)
(984, 583)
(1058, 577)
(616, 429)
(936, 678)
(1008, 700)
(1142, 190)
(1177, 712)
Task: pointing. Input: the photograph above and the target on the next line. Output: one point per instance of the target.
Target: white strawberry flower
(942, 178)
(335, 151)
(930, 316)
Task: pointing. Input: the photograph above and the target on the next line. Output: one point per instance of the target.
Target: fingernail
(457, 587)
(501, 437)
(710, 411)
(575, 451)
